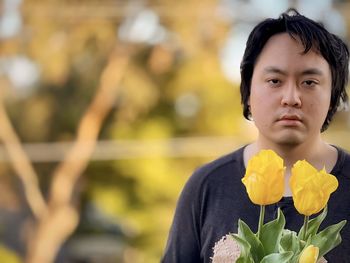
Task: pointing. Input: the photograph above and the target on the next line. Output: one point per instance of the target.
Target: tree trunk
(56, 219)
(62, 217)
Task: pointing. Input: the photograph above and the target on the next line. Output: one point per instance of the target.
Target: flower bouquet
(264, 182)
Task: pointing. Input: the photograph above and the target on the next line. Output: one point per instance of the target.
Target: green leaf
(244, 260)
(257, 249)
(245, 256)
(271, 233)
(314, 224)
(278, 257)
(291, 242)
(328, 238)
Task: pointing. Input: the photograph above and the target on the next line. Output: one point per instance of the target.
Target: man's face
(290, 92)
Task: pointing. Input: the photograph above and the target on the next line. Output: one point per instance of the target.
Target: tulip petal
(309, 255)
(311, 189)
(264, 178)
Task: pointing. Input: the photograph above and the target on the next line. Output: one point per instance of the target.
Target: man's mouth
(290, 120)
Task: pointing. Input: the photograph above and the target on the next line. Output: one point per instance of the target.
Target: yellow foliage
(8, 256)
(138, 96)
(35, 120)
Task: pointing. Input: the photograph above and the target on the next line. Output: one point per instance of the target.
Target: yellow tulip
(309, 255)
(264, 178)
(311, 188)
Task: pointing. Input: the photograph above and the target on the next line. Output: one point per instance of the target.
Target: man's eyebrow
(273, 69)
(310, 71)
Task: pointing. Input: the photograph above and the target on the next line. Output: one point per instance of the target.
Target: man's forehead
(282, 71)
(282, 52)
(284, 37)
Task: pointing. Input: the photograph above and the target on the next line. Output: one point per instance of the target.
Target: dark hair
(312, 36)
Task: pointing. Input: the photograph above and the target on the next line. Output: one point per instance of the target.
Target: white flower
(226, 250)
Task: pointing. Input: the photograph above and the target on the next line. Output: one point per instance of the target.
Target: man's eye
(274, 81)
(310, 83)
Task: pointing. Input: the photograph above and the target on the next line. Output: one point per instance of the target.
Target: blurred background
(107, 107)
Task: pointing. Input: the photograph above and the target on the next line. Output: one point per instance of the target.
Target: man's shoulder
(343, 162)
(345, 152)
(222, 166)
(218, 174)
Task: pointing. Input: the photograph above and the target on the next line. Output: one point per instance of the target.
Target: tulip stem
(261, 219)
(306, 224)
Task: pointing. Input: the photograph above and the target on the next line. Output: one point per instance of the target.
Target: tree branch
(21, 165)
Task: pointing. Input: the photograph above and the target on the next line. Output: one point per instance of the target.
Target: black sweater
(214, 198)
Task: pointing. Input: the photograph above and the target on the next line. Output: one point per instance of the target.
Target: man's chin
(289, 140)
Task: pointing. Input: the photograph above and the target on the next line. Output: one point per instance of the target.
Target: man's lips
(290, 119)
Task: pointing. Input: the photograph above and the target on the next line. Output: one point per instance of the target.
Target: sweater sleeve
(184, 238)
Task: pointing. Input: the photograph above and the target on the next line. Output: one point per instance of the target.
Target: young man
(294, 73)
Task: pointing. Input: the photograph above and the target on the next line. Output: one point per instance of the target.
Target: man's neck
(291, 153)
(317, 152)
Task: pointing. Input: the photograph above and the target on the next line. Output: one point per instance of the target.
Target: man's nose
(291, 96)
